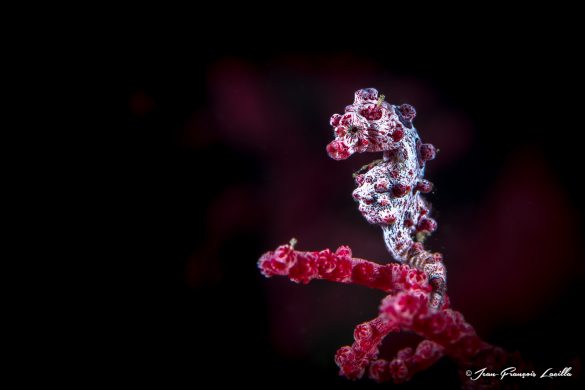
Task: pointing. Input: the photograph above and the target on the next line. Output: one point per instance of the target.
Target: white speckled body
(398, 216)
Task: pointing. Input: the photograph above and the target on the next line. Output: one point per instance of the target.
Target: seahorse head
(370, 124)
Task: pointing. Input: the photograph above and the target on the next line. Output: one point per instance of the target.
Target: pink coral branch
(340, 266)
(406, 363)
(406, 308)
(354, 360)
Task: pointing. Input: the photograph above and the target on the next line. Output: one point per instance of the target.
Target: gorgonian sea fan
(389, 193)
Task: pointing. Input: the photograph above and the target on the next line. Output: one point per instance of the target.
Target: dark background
(227, 145)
